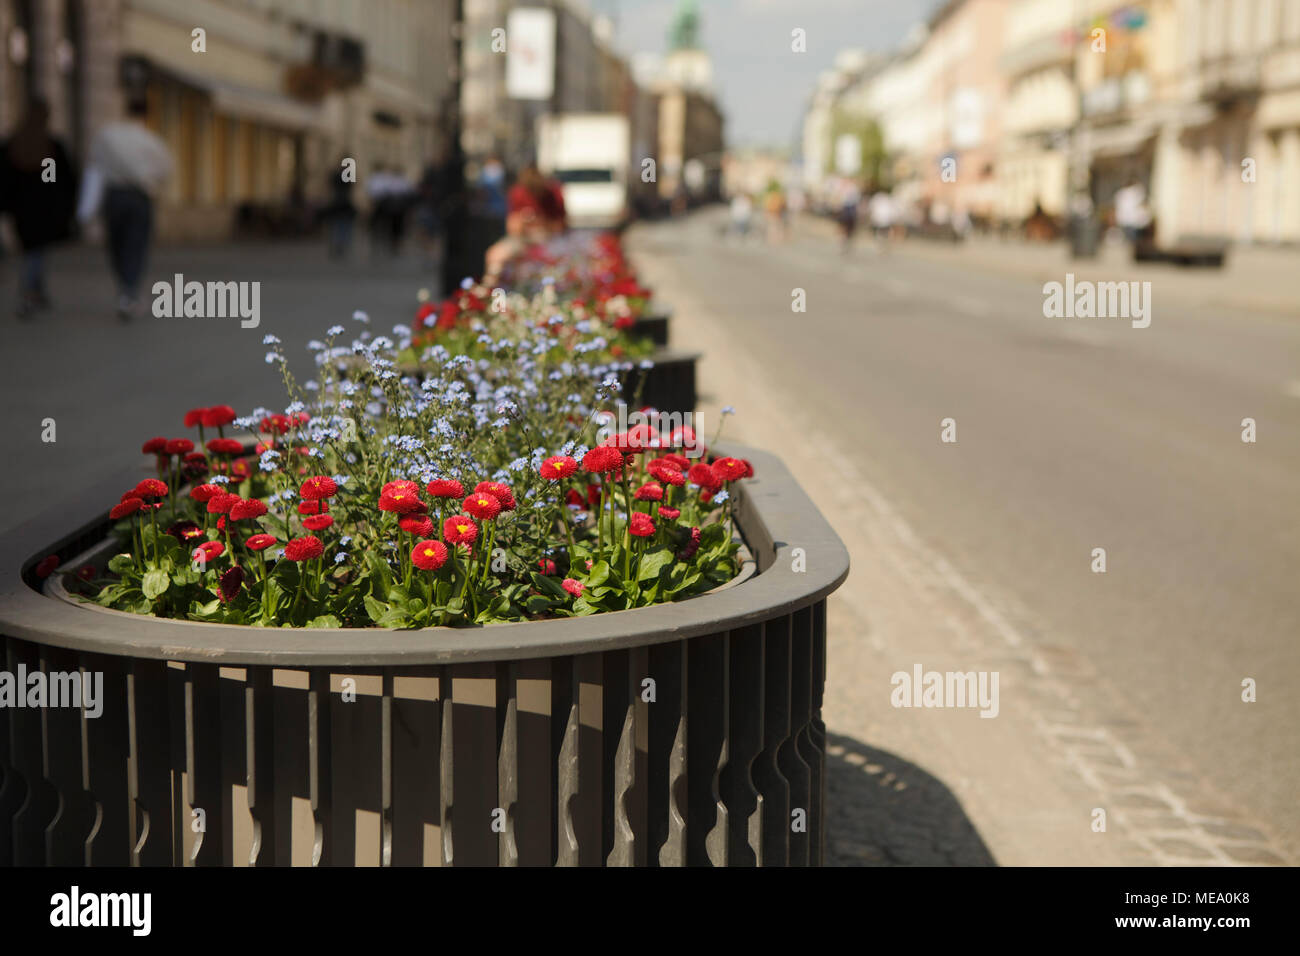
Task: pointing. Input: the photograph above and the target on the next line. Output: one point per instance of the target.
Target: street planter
(653, 325)
(677, 734)
(668, 386)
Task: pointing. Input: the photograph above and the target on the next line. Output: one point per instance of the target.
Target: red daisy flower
(184, 531)
(573, 586)
(729, 469)
(501, 492)
(429, 555)
(154, 446)
(635, 439)
(401, 484)
(221, 503)
(240, 468)
(217, 416)
(749, 468)
(640, 525)
(546, 565)
(274, 425)
(460, 529)
(304, 549)
(650, 492)
(246, 508)
(681, 461)
(224, 446)
(179, 446)
(259, 542)
(45, 567)
(684, 437)
(231, 582)
(692, 545)
(128, 507)
(574, 499)
(669, 513)
(317, 487)
(482, 504)
(401, 502)
(86, 572)
(557, 466)
(705, 477)
(194, 417)
(446, 488)
(419, 525)
(208, 550)
(666, 471)
(593, 494)
(318, 522)
(206, 493)
(150, 488)
(602, 458)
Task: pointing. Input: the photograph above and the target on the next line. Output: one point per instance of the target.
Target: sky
(763, 86)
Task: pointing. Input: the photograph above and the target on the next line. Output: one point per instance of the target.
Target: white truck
(588, 153)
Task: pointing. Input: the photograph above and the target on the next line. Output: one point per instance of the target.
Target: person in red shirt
(534, 213)
(535, 207)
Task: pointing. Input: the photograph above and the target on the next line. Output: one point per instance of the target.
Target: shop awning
(245, 102)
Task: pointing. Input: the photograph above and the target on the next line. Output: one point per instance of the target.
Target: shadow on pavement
(884, 811)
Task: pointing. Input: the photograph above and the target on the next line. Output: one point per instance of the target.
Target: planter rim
(773, 513)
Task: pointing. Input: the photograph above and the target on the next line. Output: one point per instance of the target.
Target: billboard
(530, 53)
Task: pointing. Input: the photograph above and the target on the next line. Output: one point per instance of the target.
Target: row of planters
(453, 583)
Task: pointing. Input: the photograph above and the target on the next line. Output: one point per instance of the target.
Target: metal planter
(538, 743)
(668, 386)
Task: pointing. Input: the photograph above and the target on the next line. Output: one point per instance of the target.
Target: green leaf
(376, 609)
(598, 574)
(548, 586)
(653, 562)
(325, 620)
(537, 604)
(121, 564)
(156, 582)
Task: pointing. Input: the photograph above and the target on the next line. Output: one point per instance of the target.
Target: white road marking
(1083, 334)
(969, 306)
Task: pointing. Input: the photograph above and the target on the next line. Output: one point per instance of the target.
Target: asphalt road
(1072, 434)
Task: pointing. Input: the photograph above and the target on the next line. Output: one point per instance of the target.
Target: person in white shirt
(128, 163)
(1131, 213)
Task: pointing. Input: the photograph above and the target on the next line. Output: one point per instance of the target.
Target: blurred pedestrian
(492, 188)
(850, 197)
(535, 212)
(775, 211)
(1131, 213)
(883, 215)
(340, 213)
(128, 164)
(742, 214)
(39, 186)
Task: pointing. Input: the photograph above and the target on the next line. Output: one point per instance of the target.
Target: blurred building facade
(260, 113)
(1043, 101)
(690, 125)
(261, 108)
